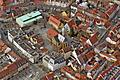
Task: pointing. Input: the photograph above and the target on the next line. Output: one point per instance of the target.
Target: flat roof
(28, 18)
(29, 15)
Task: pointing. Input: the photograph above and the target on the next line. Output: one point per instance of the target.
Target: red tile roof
(87, 46)
(10, 69)
(96, 66)
(90, 54)
(106, 71)
(44, 50)
(1, 43)
(1, 13)
(2, 46)
(109, 57)
(117, 55)
(14, 55)
(67, 19)
(94, 38)
(80, 76)
(111, 9)
(103, 15)
(72, 24)
(49, 76)
(83, 39)
(85, 17)
(39, 39)
(83, 26)
(108, 24)
(117, 26)
(1, 2)
(67, 49)
(93, 11)
(84, 58)
(67, 69)
(55, 20)
(20, 62)
(78, 14)
(37, 1)
(52, 33)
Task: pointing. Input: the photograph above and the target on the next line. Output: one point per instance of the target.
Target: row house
(110, 73)
(110, 54)
(91, 61)
(93, 39)
(6, 4)
(113, 36)
(61, 3)
(111, 12)
(70, 73)
(29, 43)
(94, 2)
(99, 13)
(116, 54)
(108, 57)
(89, 21)
(10, 62)
(13, 69)
(88, 40)
(94, 13)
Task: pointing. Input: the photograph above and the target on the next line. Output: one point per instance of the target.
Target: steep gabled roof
(54, 20)
(52, 33)
(72, 24)
(94, 38)
(111, 9)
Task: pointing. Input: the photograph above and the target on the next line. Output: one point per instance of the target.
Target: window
(47, 59)
(51, 62)
(73, 10)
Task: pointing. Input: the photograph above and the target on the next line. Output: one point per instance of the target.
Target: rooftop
(8, 60)
(52, 33)
(29, 41)
(29, 16)
(54, 20)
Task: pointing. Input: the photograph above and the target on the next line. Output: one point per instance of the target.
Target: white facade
(24, 52)
(73, 10)
(50, 63)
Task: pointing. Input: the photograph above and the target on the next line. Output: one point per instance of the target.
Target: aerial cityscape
(59, 39)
